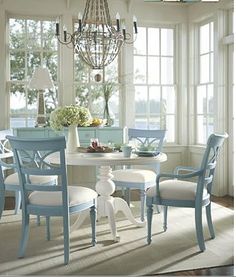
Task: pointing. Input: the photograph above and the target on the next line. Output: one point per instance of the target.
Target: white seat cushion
(77, 195)
(14, 180)
(134, 175)
(176, 190)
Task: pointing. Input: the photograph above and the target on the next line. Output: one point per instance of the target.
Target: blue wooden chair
(136, 178)
(31, 156)
(10, 182)
(178, 191)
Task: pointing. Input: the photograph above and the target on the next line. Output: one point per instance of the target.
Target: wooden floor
(226, 201)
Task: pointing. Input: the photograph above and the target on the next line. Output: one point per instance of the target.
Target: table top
(108, 159)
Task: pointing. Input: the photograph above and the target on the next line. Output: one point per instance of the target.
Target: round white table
(107, 204)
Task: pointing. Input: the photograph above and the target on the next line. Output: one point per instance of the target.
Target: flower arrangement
(70, 115)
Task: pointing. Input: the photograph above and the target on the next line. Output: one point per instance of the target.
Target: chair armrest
(184, 168)
(178, 176)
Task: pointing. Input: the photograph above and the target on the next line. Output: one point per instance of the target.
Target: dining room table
(108, 205)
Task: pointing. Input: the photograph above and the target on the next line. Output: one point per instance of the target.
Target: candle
(80, 22)
(118, 22)
(135, 25)
(65, 33)
(57, 29)
(124, 31)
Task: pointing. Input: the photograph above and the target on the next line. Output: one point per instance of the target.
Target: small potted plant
(70, 116)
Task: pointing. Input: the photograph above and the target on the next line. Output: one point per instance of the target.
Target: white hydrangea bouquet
(70, 115)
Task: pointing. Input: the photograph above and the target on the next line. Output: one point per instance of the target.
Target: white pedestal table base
(108, 205)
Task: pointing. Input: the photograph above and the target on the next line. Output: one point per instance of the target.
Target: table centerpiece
(70, 116)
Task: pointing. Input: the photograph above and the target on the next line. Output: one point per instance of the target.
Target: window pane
(212, 36)
(153, 70)
(141, 100)
(81, 72)
(154, 100)
(212, 68)
(139, 70)
(19, 121)
(111, 71)
(210, 108)
(33, 60)
(201, 99)
(210, 126)
(140, 122)
(204, 68)
(17, 99)
(170, 127)
(17, 30)
(167, 71)
(201, 129)
(167, 41)
(33, 34)
(51, 99)
(17, 65)
(32, 101)
(82, 95)
(153, 41)
(140, 43)
(154, 122)
(51, 60)
(49, 40)
(168, 99)
(204, 39)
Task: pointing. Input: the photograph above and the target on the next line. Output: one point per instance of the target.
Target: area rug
(173, 250)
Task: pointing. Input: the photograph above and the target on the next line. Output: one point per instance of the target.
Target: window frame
(161, 85)
(198, 83)
(27, 116)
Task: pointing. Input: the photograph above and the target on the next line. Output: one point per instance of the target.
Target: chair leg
(149, 223)
(143, 200)
(2, 202)
(48, 227)
(93, 216)
(199, 229)
(209, 221)
(24, 234)
(17, 201)
(66, 231)
(165, 209)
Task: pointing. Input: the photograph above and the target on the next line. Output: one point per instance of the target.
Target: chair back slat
(32, 159)
(38, 187)
(147, 139)
(208, 165)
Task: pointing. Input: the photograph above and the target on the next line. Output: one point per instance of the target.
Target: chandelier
(96, 40)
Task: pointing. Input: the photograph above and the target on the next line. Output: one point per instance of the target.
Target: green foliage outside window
(31, 43)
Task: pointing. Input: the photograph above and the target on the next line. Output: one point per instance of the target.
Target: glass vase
(108, 115)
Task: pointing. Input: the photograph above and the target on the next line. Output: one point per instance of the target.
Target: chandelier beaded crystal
(97, 41)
